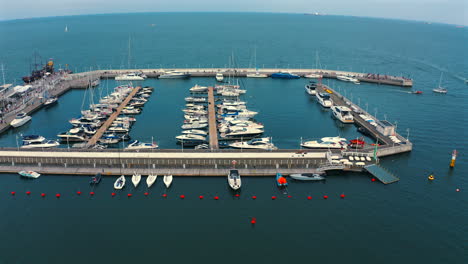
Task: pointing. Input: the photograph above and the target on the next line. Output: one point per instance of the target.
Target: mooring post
(183, 165)
(154, 166)
(307, 165)
(39, 164)
(94, 164)
(245, 165)
(216, 165)
(277, 166)
(65, 164)
(12, 163)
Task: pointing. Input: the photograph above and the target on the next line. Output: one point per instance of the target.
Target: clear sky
(444, 11)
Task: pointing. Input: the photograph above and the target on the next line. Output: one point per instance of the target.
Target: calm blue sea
(412, 221)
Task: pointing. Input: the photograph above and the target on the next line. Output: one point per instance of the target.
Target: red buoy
(146, 193)
(13, 193)
(78, 192)
(373, 180)
(28, 192)
(91, 193)
(42, 194)
(342, 195)
(164, 195)
(113, 194)
(129, 195)
(289, 196)
(309, 197)
(58, 195)
(253, 221)
(237, 195)
(201, 197)
(273, 197)
(182, 196)
(216, 198)
(325, 197)
(254, 197)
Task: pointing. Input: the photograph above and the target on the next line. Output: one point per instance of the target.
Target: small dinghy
(151, 180)
(96, 179)
(167, 180)
(280, 180)
(307, 177)
(136, 178)
(119, 183)
(29, 174)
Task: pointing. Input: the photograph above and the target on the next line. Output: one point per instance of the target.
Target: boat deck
(381, 174)
(112, 117)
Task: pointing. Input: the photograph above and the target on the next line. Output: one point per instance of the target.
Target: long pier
(213, 129)
(112, 117)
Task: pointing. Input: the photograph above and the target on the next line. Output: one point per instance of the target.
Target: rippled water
(410, 221)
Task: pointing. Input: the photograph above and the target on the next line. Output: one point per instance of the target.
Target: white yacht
(244, 132)
(195, 132)
(174, 75)
(343, 114)
(119, 183)
(71, 137)
(198, 89)
(256, 143)
(167, 179)
(310, 88)
(219, 77)
(326, 143)
(129, 77)
(151, 179)
(44, 144)
(136, 178)
(234, 179)
(140, 145)
(347, 79)
(33, 138)
(194, 125)
(324, 99)
(313, 76)
(191, 138)
(20, 120)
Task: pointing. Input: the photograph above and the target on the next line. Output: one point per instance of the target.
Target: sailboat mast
(129, 55)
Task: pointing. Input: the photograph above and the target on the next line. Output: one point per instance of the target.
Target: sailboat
(136, 179)
(151, 179)
(257, 74)
(440, 89)
(66, 28)
(50, 100)
(167, 180)
(314, 75)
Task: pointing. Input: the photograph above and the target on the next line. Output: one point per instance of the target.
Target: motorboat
(343, 114)
(130, 110)
(194, 125)
(129, 77)
(219, 77)
(324, 99)
(136, 178)
(151, 180)
(256, 143)
(195, 99)
(33, 138)
(347, 78)
(234, 179)
(96, 179)
(191, 138)
(140, 145)
(109, 139)
(195, 132)
(307, 177)
(20, 120)
(357, 143)
(313, 76)
(243, 132)
(167, 179)
(29, 174)
(71, 137)
(416, 92)
(174, 75)
(310, 88)
(50, 101)
(198, 89)
(43, 144)
(119, 183)
(281, 180)
(285, 75)
(326, 143)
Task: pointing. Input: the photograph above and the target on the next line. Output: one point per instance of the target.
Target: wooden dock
(112, 117)
(213, 129)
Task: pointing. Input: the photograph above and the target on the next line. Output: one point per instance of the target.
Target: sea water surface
(411, 221)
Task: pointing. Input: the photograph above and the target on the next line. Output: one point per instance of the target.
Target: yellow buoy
(431, 177)
(454, 158)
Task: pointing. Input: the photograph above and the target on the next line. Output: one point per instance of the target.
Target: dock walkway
(111, 118)
(213, 129)
(382, 174)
